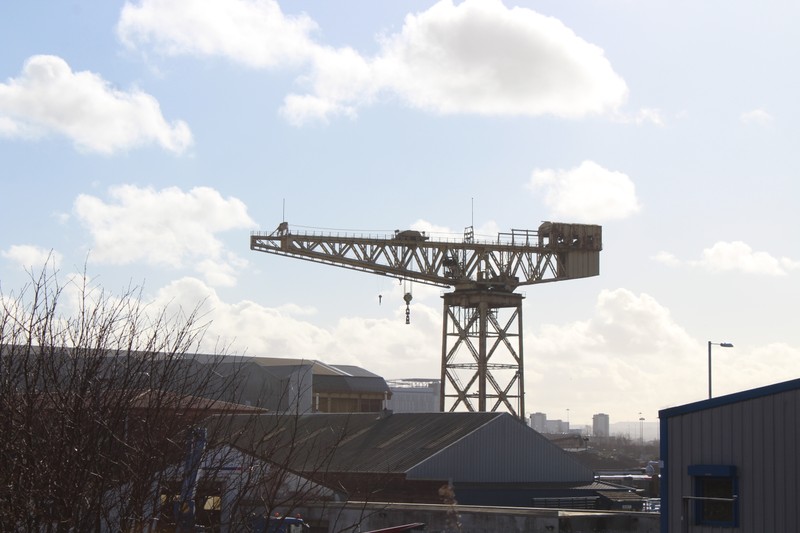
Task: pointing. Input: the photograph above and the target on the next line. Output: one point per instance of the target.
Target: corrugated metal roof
(350, 384)
(317, 367)
(362, 442)
(469, 447)
(355, 371)
(504, 451)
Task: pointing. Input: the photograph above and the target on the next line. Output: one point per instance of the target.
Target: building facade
(538, 421)
(731, 463)
(414, 395)
(600, 425)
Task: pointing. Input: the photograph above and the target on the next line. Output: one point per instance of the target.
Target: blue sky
(146, 139)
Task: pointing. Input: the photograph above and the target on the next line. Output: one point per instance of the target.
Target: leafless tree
(96, 391)
(99, 398)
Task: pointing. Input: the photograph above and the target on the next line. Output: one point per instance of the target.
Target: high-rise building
(600, 425)
(538, 421)
(556, 427)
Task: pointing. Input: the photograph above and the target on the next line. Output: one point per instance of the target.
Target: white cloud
(8, 127)
(629, 356)
(772, 363)
(32, 258)
(756, 116)
(48, 97)
(667, 259)
(645, 115)
(389, 347)
(632, 356)
(167, 227)
(255, 33)
(735, 256)
(477, 57)
(587, 193)
(738, 256)
(481, 57)
(487, 231)
(650, 115)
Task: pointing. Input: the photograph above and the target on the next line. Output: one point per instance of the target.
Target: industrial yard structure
(730, 462)
(482, 342)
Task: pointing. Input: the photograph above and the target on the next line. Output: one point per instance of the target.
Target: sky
(143, 141)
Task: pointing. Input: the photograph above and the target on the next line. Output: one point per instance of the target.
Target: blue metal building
(731, 463)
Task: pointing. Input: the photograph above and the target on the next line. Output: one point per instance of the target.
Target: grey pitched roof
(325, 383)
(465, 447)
(356, 443)
(355, 371)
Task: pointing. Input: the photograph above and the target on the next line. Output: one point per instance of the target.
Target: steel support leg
(482, 364)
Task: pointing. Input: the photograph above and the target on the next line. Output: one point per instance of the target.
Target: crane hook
(407, 297)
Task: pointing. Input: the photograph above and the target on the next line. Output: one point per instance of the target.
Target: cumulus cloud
(756, 116)
(255, 33)
(50, 98)
(738, 256)
(587, 193)
(32, 258)
(735, 256)
(477, 57)
(667, 259)
(167, 227)
(481, 57)
(632, 356)
(628, 355)
(385, 346)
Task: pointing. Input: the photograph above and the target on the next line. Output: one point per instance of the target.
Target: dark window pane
(717, 487)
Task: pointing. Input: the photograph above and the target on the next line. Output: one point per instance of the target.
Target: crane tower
(482, 363)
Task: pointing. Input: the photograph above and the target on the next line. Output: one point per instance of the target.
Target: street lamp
(724, 345)
(641, 430)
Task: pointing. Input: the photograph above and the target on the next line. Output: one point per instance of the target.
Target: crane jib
(520, 257)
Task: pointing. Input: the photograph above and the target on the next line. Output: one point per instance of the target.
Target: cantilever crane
(481, 353)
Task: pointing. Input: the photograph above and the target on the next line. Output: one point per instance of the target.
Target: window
(716, 495)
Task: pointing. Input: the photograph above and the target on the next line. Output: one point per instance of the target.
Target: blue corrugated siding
(757, 434)
(503, 451)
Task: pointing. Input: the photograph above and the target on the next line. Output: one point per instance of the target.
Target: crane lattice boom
(522, 257)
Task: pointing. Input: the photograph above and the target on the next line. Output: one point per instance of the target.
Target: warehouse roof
(360, 442)
(470, 447)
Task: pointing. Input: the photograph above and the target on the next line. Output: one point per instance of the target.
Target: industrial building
(731, 463)
(485, 458)
(302, 385)
(414, 395)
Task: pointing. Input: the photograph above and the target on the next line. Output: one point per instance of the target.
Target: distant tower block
(600, 425)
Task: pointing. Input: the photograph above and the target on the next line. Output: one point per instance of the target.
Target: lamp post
(724, 345)
(641, 430)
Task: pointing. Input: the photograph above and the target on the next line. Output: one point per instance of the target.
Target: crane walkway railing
(525, 238)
